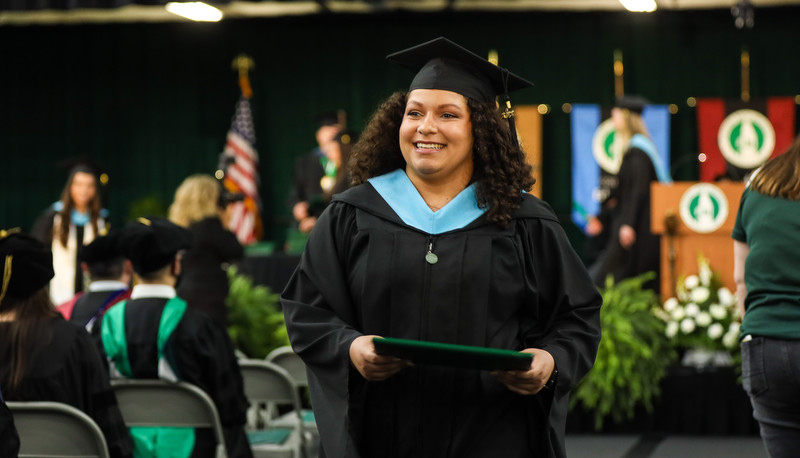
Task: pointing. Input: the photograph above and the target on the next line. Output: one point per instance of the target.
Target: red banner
(734, 139)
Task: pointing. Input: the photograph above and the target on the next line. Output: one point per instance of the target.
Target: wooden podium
(686, 243)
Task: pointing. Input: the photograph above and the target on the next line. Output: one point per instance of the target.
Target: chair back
(286, 358)
(270, 385)
(54, 429)
(156, 403)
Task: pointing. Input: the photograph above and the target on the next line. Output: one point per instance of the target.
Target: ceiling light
(639, 6)
(196, 11)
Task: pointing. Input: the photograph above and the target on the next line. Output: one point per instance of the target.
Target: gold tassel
(6, 276)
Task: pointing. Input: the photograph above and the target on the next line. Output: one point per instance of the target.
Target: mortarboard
(84, 163)
(329, 118)
(152, 243)
(442, 64)
(102, 249)
(27, 264)
(634, 103)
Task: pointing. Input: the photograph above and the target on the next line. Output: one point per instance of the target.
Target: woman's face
(436, 136)
(83, 189)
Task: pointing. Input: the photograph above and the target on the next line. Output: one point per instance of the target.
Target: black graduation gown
(306, 187)
(87, 306)
(636, 173)
(9, 440)
(66, 367)
(364, 272)
(200, 352)
(204, 283)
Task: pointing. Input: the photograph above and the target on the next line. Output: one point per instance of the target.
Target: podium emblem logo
(746, 138)
(704, 208)
(606, 147)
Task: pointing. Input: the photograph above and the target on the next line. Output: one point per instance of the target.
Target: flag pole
(745, 61)
(243, 63)
(619, 82)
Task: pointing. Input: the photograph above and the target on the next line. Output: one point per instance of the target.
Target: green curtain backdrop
(152, 102)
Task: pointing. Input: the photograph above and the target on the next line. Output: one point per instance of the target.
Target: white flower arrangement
(703, 314)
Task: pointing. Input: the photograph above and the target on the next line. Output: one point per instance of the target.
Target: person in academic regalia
(441, 242)
(200, 205)
(633, 248)
(156, 335)
(44, 357)
(314, 174)
(110, 277)
(70, 223)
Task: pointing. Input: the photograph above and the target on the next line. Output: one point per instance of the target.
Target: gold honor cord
(7, 265)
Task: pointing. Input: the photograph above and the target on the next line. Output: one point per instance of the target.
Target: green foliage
(255, 319)
(633, 355)
(149, 205)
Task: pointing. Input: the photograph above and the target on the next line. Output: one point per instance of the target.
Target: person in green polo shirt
(766, 249)
(155, 335)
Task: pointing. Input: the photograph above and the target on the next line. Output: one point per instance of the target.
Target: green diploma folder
(443, 354)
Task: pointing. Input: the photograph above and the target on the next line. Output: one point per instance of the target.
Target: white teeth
(430, 145)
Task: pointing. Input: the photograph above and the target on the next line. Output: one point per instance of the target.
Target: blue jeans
(771, 377)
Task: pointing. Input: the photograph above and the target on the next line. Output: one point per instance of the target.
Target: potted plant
(633, 355)
(255, 318)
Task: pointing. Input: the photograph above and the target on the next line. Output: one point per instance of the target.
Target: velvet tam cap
(152, 243)
(27, 264)
(634, 103)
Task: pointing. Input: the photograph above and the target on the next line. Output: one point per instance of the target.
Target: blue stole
(400, 194)
(645, 144)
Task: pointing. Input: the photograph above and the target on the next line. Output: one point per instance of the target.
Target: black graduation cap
(442, 64)
(152, 243)
(328, 118)
(84, 163)
(27, 264)
(634, 103)
(102, 249)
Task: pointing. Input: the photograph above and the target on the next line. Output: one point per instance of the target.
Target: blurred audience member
(200, 205)
(109, 276)
(156, 335)
(42, 356)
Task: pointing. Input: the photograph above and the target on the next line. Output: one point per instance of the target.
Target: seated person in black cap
(42, 356)
(440, 242)
(110, 278)
(155, 335)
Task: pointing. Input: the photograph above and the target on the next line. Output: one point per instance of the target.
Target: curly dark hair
(500, 170)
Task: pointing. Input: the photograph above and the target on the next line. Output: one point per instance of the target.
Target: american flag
(242, 174)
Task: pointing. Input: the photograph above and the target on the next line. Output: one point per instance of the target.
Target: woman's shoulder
(534, 207)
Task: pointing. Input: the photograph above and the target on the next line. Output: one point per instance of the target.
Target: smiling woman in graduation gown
(382, 262)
